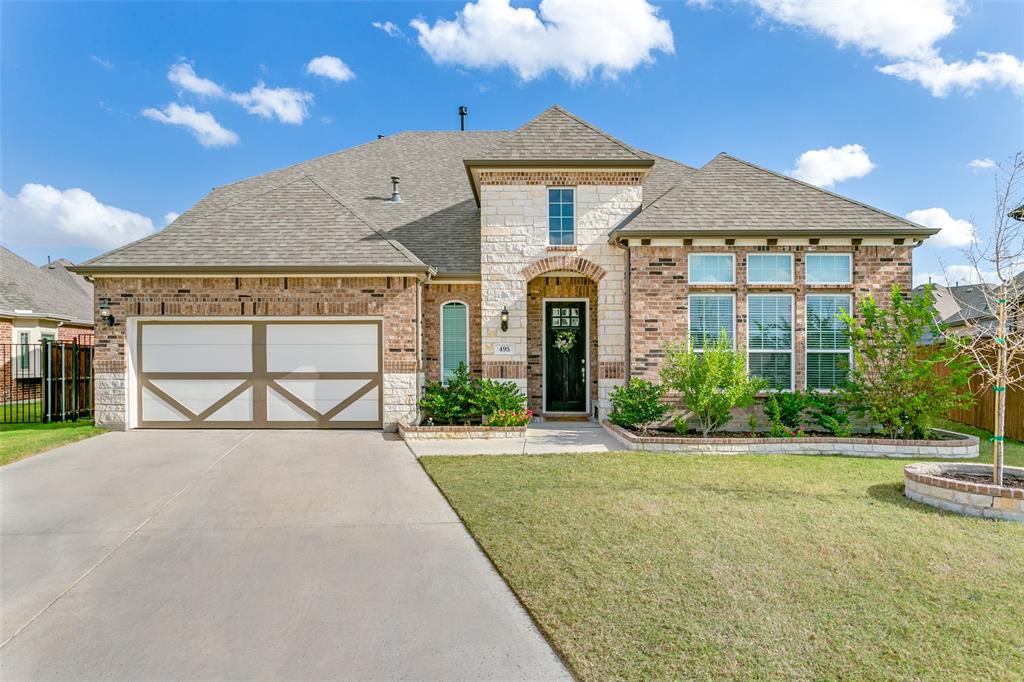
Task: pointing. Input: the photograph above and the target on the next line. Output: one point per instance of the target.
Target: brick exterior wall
(659, 293)
(434, 296)
(393, 298)
(537, 290)
(69, 334)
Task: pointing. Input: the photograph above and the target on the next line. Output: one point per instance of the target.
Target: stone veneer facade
(394, 299)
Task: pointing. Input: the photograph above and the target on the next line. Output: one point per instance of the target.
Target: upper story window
(829, 268)
(454, 337)
(770, 268)
(712, 268)
(561, 216)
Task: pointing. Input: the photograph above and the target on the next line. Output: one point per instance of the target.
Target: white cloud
(170, 217)
(825, 167)
(389, 28)
(287, 104)
(953, 231)
(201, 124)
(184, 76)
(981, 164)
(105, 63)
(960, 273)
(330, 67)
(42, 215)
(940, 77)
(567, 36)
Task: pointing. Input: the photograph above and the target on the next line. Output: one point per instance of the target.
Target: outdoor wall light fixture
(504, 319)
(105, 313)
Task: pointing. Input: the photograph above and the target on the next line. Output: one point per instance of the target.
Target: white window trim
(689, 269)
(792, 267)
(809, 283)
(547, 221)
(807, 346)
(544, 352)
(440, 313)
(792, 340)
(689, 317)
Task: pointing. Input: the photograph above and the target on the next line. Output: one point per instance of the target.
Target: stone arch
(585, 267)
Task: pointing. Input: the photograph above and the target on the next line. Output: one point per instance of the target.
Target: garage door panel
(173, 348)
(363, 409)
(197, 395)
(237, 410)
(321, 394)
(155, 409)
(279, 408)
(314, 348)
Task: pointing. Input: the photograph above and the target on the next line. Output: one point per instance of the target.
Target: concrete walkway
(546, 438)
(245, 556)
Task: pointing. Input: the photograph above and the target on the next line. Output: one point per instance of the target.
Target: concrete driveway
(248, 555)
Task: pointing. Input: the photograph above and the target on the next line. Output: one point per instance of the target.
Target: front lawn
(21, 440)
(641, 566)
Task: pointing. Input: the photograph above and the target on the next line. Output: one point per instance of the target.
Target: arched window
(454, 337)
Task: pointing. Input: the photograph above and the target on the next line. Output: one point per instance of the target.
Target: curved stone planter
(925, 484)
(445, 432)
(959, 446)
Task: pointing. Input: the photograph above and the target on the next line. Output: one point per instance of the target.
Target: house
(37, 304)
(554, 255)
(970, 309)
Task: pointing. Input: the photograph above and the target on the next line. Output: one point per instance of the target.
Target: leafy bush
(711, 383)
(638, 405)
(828, 412)
(785, 411)
(454, 401)
(495, 396)
(893, 381)
(510, 418)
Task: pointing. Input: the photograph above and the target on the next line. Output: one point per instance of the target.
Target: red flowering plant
(510, 418)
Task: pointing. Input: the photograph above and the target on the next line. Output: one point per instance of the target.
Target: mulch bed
(1009, 480)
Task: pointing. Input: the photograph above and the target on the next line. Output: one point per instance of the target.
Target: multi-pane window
(828, 349)
(710, 314)
(770, 339)
(829, 268)
(711, 268)
(23, 342)
(454, 337)
(561, 216)
(770, 268)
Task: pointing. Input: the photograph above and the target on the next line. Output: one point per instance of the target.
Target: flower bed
(447, 432)
(936, 484)
(952, 446)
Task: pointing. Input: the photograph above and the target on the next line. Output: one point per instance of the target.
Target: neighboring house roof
(732, 196)
(49, 291)
(333, 213)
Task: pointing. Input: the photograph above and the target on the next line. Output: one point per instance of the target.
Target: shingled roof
(49, 291)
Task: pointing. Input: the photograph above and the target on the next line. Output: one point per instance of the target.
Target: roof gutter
(38, 315)
(619, 234)
(232, 270)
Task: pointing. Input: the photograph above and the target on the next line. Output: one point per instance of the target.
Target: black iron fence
(45, 382)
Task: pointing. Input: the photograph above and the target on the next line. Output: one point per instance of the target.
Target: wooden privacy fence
(45, 382)
(983, 413)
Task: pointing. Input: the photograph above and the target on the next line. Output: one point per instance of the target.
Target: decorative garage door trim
(264, 385)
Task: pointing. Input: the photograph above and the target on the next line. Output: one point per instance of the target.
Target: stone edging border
(924, 483)
(962, 447)
(446, 432)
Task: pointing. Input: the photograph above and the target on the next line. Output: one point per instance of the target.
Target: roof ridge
(815, 187)
(565, 112)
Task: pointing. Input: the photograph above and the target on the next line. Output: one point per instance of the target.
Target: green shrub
(828, 412)
(510, 418)
(893, 381)
(494, 396)
(785, 412)
(454, 401)
(638, 405)
(711, 383)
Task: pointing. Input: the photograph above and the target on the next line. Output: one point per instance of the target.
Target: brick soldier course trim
(587, 268)
(563, 178)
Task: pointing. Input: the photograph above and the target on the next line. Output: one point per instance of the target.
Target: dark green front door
(565, 351)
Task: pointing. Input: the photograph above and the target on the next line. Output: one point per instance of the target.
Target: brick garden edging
(445, 432)
(924, 483)
(961, 447)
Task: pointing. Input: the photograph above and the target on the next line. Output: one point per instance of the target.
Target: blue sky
(765, 80)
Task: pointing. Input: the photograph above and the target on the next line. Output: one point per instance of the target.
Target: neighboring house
(37, 304)
(555, 256)
(969, 309)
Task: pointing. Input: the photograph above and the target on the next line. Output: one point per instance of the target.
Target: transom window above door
(561, 216)
(711, 268)
(565, 318)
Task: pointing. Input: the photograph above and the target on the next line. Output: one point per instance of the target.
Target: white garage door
(260, 374)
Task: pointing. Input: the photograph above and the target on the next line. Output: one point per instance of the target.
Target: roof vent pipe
(395, 198)
(463, 112)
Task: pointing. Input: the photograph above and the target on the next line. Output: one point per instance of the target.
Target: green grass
(645, 566)
(18, 441)
(16, 412)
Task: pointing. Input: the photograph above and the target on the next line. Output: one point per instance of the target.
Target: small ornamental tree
(893, 382)
(711, 382)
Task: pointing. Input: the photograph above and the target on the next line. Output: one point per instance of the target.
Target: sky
(116, 117)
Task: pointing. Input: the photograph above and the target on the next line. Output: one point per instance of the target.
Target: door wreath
(565, 340)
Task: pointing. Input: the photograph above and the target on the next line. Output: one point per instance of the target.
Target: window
(454, 337)
(829, 268)
(828, 350)
(709, 315)
(44, 337)
(561, 216)
(23, 342)
(770, 339)
(773, 268)
(711, 268)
